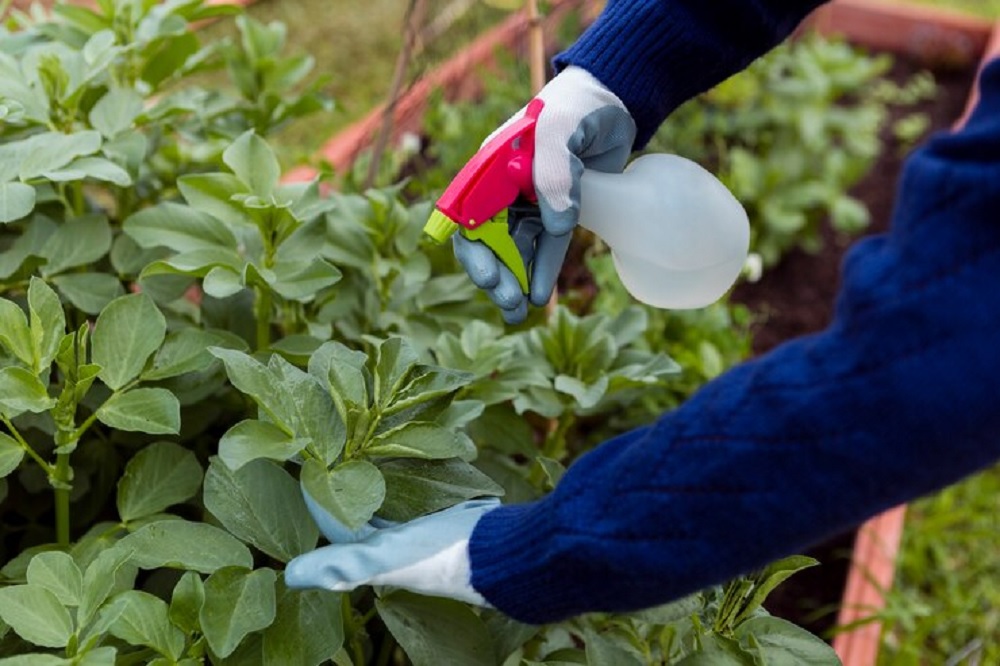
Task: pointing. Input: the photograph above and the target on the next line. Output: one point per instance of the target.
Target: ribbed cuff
(623, 53)
(511, 564)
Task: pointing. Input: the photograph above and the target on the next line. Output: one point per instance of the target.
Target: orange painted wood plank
(930, 35)
(873, 567)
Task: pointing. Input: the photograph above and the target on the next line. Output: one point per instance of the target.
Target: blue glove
(429, 555)
(582, 125)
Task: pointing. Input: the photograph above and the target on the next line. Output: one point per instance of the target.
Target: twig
(415, 12)
(446, 18)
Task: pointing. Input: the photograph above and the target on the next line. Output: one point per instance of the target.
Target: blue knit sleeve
(657, 54)
(897, 397)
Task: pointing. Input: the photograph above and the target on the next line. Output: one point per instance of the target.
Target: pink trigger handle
(496, 175)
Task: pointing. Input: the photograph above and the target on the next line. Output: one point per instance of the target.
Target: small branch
(446, 18)
(262, 313)
(63, 475)
(415, 12)
(536, 47)
(44, 464)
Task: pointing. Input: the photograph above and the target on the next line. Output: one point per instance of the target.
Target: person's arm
(656, 54)
(898, 397)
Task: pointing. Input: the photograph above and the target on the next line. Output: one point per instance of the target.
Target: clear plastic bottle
(678, 237)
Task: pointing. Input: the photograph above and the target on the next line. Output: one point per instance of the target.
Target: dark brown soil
(796, 298)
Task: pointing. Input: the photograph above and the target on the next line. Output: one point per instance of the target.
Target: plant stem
(385, 650)
(554, 446)
(351, 629)
(262, 313)
(27, 447)
(62, 499)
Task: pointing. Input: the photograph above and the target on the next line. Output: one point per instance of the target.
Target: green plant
(187, 342)
(790, 135)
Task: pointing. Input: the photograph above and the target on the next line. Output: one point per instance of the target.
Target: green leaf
(416, 487)
(254, 163)
(36, 659)
(307, 408)
(141, 619)
(307, 630)
(249, 440)
(90, 292)
(302, 280)
(158, 476)
(781, 643)
(48, 323)
(14, 332)
(427, 441)
(151, 410)
(395, 357)
(248, 375)
(237, 602)
(21, 391)
(343, 371)
(180, 544)
(586, 396)
(222, 282)
(186, 602)
(436, 631)
(180, 228)
(95, 168)
(186, 351)
(17, 200)
(126, 334)
(195, 263)
(769, 578)
(99, 581)
(57, 572)
(51, 150)
(718, 650)
(351, 492)
(11, 454)
(36, 615)
(425, 384)
(605, 650)
(262, 505)
(22, 253)
(212, 193)
(116, 111)
(294, 400)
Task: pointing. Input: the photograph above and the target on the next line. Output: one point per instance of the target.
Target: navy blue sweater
(899, 396)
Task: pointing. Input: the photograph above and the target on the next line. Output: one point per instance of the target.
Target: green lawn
(945, 601)
(985, 8)
(356, 44)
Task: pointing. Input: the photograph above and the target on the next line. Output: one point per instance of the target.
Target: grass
(984, 8)
(944, 607)
(355, 44)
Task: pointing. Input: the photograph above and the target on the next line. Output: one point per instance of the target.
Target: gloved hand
(582, 125)
(429, 555)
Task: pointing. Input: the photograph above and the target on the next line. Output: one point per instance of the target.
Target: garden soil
(796, 298)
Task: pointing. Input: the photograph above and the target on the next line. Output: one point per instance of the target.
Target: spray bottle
(678, 237)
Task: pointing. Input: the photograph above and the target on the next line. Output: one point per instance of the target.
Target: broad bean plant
(188, 341)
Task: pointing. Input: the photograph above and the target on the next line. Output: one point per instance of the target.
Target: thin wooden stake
(415, 12)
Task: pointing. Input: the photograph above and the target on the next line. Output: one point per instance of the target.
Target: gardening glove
(582, 125)
(429, 555)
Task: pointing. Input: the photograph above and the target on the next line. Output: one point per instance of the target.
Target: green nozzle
(439, 226)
